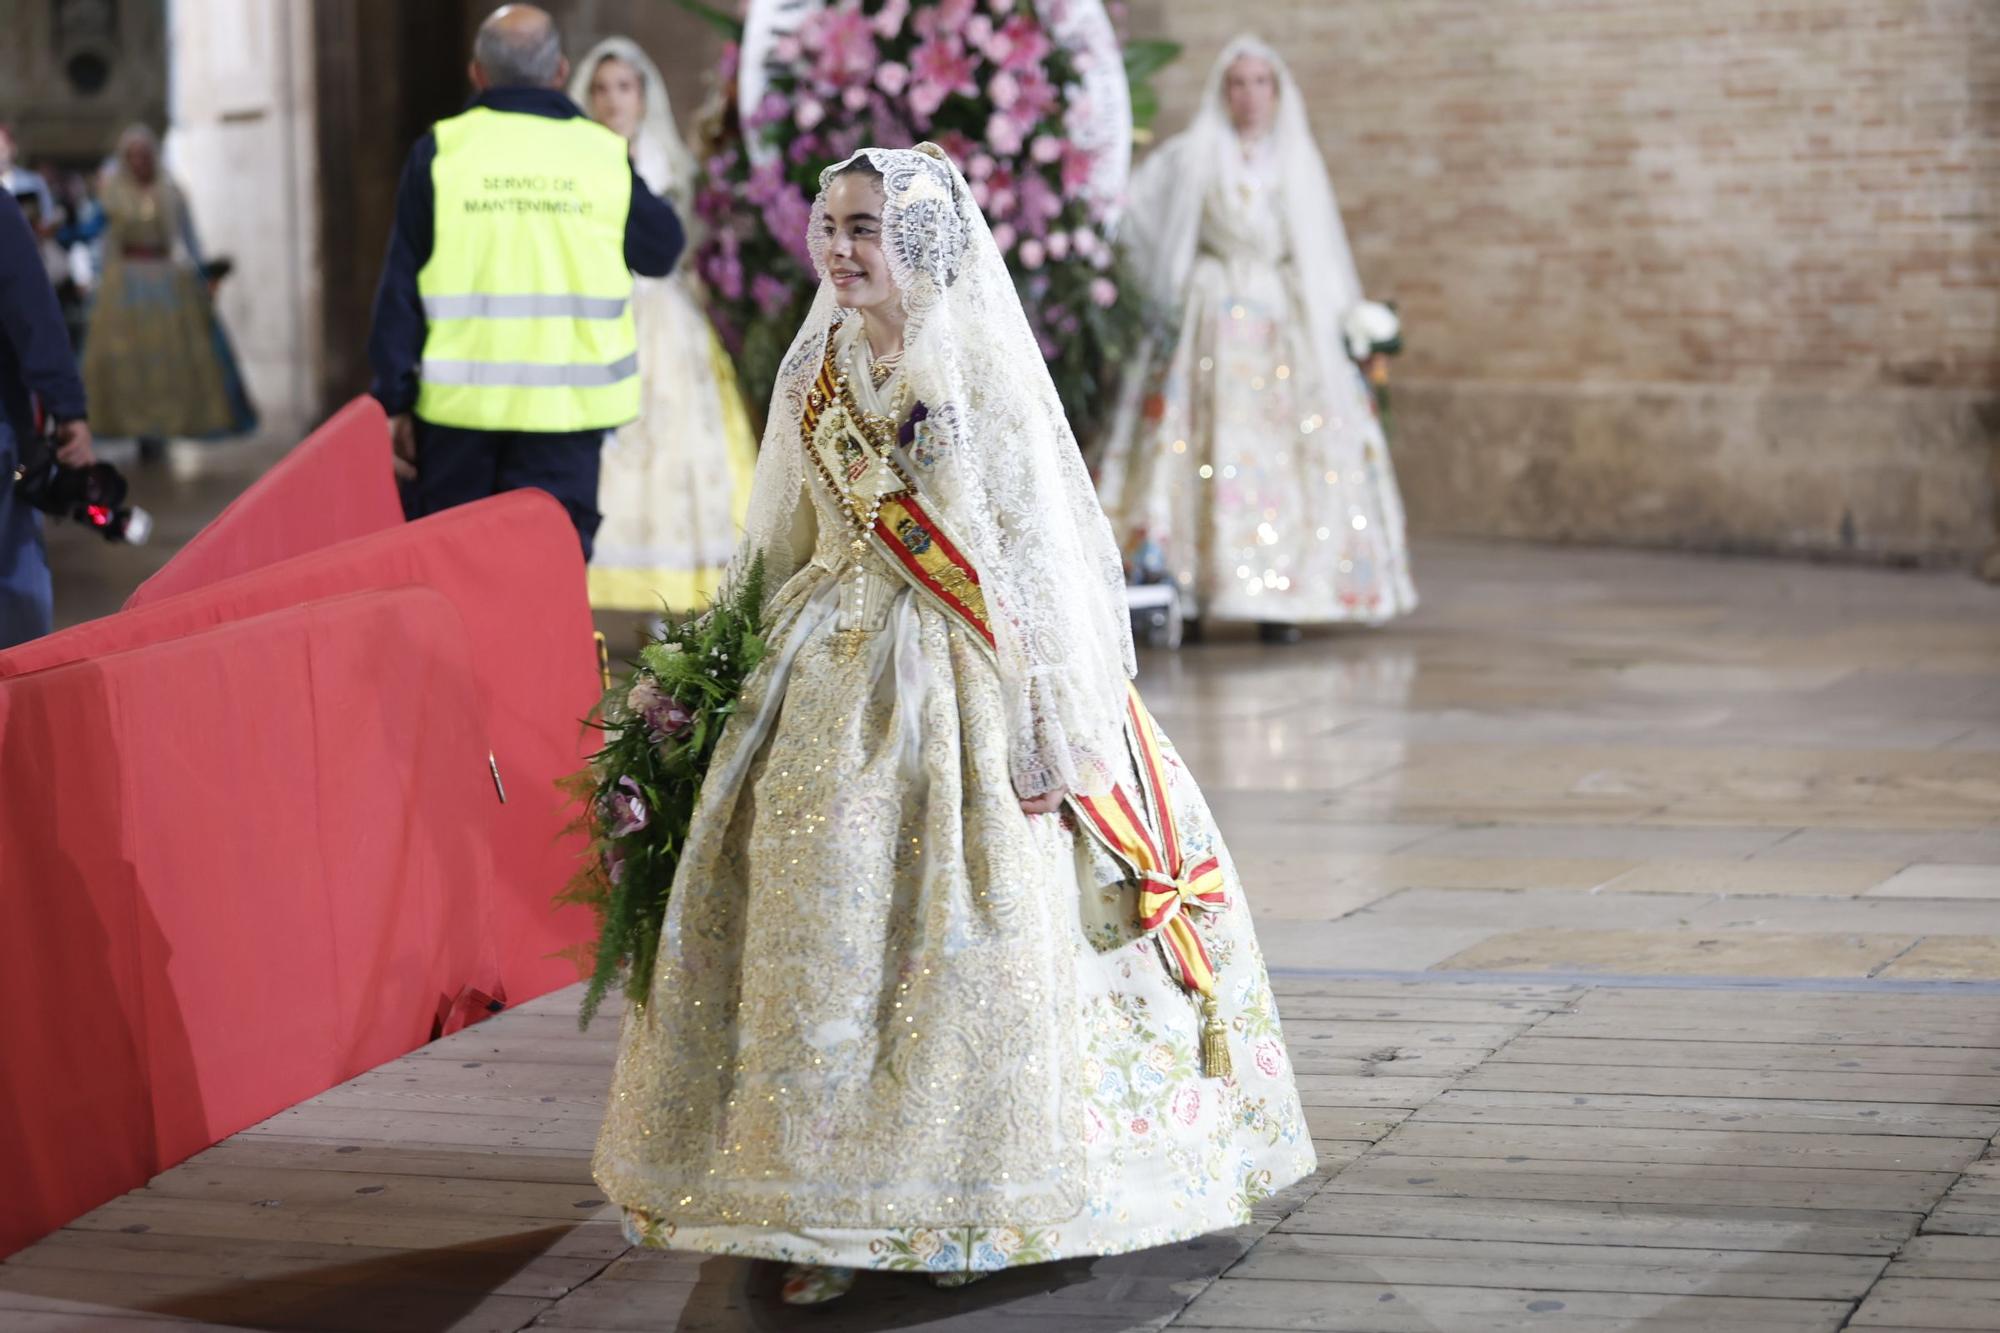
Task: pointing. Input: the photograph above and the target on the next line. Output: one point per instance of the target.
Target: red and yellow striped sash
(1172, 886)
(916, 541)
(1145, 834)
(1141, 832)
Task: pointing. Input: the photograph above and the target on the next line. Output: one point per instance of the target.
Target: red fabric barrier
(512, 569)
(236, 868)
(335, 485)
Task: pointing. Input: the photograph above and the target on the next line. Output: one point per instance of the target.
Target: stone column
(242, 144)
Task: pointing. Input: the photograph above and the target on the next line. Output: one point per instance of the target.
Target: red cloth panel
(335, 485)
(237, 868)
(512, 569)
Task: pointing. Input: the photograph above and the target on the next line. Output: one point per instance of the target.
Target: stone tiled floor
(1636, 920)
(1602, 763)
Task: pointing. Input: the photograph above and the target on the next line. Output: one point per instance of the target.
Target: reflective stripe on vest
(524, 307)
(529, 374)
(526, 293)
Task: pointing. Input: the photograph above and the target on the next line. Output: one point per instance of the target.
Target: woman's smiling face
(855, 262)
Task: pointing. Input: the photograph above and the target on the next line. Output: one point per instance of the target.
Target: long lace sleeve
(1057, 597)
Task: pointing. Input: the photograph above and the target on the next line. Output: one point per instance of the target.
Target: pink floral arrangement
(987, 82)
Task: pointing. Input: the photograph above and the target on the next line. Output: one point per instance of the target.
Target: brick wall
(1711, 273)
(1714, 273)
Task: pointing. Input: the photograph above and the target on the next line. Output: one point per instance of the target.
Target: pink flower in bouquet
(788, 218)
(766, 179)
(723, 267)
(982, 195)
(844, 46)
(1005, 90)
(1003, 134)
(712, 205)
(890, 18)
(625, 809)
(1020, 44)
(770, 111)
(893, 77)
(1050, 348)
(770, 294)
(1003, 237)
(949, 16)
(1046, 149)
(979, 166)
(1035, 98)
(666, 718)
(958, 147)
(804, 149)
(1033, 253)
(1104, 292)
(979, 31)
(884, 124)
(925, 99)
(645, 693)
(809, 113)
(1084, 241)
(1039, 199)
(1001, 190)
(842, 143)
(1000, 7)
(1059, 246)
(855, 97)
(1077, 168)
(942, 62)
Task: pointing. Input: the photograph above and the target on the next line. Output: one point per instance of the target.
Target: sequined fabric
(1264, 493)
(895, 1022)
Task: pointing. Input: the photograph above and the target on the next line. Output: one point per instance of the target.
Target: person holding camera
(36, 367)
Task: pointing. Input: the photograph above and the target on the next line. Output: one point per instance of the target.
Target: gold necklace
(880, 368)
(880, 431)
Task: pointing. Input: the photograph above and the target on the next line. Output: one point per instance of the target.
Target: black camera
(93, 495)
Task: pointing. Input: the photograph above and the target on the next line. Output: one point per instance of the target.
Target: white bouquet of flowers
(1372, 329)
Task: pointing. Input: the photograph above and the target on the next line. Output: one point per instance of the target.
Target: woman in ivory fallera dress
(956, 973)
(1246, 463)
(675, 484)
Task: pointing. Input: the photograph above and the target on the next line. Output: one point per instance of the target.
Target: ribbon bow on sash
(1171, 888)
(1164, 904)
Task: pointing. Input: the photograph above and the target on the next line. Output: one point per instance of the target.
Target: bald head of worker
(518, 47)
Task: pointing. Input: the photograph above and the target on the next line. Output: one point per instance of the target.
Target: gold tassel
(1214, 1041)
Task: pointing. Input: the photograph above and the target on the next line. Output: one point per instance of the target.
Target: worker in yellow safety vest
(503, 347)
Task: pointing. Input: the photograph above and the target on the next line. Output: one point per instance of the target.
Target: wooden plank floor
(1580, 1158)
(1637, 920)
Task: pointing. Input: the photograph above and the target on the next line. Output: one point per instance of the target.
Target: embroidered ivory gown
(896, 1023)
(1261, 485)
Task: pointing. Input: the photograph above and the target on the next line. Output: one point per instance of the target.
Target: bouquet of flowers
(989, 83)
(639, 791)
(1374, 333)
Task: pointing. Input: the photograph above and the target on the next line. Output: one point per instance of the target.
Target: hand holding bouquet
(639, 792)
